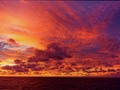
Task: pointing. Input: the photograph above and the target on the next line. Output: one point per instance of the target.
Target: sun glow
(58, 38)
(7, 62)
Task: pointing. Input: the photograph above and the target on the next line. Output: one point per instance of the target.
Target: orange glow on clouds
(57, 38)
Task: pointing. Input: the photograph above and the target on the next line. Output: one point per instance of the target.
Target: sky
(60, 38)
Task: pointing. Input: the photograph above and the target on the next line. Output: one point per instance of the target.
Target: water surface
(58, 83)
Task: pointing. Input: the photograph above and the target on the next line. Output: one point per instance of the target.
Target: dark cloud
(53, 51)
(12, 41)
(107, 64)
(7, 67)
(17, 61)
(117, 74)
(15, 68)
(30, 65)
(37, 68)
(111, 70)
(18, 68)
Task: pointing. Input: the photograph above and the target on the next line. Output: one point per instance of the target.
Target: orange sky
(81, 27)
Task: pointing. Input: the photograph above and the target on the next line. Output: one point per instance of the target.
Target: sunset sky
(66, 38)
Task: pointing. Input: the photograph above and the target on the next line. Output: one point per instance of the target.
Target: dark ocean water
(58, 83)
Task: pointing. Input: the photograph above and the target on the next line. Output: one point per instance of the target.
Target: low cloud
(9, 48)
(54, 51)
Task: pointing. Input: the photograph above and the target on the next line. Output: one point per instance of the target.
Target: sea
(59, 83)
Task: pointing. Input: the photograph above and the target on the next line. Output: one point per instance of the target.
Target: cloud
(83, 45)
(56, 55)
(7, 67)
(8, 44)
(15, 28)
(53, 51)
(17, 61)
(12, 41)
(58, 52)
(3, 37)
(111, 70)
(4, 46)
(9, 48)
